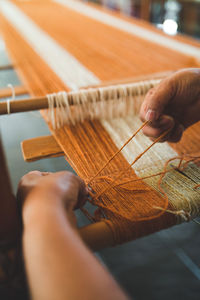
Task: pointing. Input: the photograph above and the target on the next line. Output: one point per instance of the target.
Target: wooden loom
(107, 64)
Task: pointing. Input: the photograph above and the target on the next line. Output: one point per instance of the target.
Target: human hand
(63, 187)
(174, 103)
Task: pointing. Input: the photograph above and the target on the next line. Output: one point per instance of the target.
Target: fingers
(155, 129)
(73, 187)
(176, 133)
(82, 195)
(65, 185)
(156, 101)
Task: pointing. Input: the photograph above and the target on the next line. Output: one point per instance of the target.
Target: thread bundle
(97, 103)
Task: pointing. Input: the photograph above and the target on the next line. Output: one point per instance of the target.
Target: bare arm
(58, 264)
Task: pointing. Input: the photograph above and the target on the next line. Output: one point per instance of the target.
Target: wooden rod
(97, 236)
(23, 105)
(31, 104)
(38, 103)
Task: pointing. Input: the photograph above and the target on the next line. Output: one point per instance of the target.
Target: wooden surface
(40, 147)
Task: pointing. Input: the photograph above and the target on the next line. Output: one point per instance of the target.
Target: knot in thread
(12, 98)
(184, 215)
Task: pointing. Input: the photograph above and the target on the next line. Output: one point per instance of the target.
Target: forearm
(58, 264)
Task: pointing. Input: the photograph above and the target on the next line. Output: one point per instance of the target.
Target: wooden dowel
(38, 103)
(42, 102)
(97, 236)
(24, 105)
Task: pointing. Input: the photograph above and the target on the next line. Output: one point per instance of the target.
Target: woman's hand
(58, 264)
(174, 103)
(60, 188)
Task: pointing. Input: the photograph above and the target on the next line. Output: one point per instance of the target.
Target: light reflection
(170, 27)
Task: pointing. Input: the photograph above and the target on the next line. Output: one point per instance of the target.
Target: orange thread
(111, 186)
(136, 159)
(114, 155)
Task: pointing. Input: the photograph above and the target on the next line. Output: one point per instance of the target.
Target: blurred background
(171, 16)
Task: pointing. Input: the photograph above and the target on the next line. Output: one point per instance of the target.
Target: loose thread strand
(112, 157)
(136, 159)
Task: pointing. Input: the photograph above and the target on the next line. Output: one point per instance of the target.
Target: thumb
(156, 101)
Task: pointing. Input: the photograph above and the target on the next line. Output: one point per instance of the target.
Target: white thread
(182, 214)
(51, 115)
(97, 103)
(13, 90)
(8, 106)
(72, 73)
(13, 97)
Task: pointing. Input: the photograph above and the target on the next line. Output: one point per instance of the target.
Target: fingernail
(88, 188)
(150, 115)
(182, 128)
(166, 120)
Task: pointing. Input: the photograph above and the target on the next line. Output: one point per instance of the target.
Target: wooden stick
(23, 105)
(38, 103)
(42, 102)
(97, 236)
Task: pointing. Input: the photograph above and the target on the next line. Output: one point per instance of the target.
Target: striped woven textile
(65, 45)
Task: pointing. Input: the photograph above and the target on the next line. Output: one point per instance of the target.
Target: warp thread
(70, 108)
(184, 215)
(96, 103)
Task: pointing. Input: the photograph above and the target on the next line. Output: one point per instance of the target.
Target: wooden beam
(40, 147)
(97, 236)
